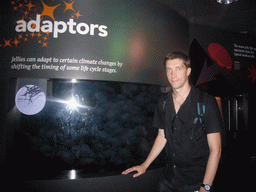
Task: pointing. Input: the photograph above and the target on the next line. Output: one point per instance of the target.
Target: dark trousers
(167, 186)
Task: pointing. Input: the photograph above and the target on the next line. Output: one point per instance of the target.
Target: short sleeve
(213, 121)
(158, 119)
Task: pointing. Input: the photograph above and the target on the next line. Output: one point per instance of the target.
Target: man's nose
(173, 74)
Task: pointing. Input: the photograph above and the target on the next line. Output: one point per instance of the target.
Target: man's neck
(182, 92)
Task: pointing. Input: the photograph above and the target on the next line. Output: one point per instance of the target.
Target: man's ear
(189, 71)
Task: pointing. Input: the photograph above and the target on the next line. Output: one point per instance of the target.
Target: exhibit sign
(96, 40)
(225, 59)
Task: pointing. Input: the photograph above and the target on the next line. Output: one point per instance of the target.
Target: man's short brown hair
(178, 55)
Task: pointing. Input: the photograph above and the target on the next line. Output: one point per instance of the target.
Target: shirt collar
(185, 109)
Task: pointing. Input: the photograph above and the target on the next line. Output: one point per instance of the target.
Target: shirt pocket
(198, 140)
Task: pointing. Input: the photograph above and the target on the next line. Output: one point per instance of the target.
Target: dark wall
(223, 64)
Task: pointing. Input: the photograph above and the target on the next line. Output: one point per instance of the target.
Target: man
(193, 153)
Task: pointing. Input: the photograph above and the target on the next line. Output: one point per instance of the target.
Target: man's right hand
(140, 169)
(156, 149)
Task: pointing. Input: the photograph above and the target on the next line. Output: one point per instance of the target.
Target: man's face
(177, 73)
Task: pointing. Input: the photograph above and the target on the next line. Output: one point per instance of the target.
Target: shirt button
(173, 154)
(174, 166)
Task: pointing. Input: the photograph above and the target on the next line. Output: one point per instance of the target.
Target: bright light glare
(72, 174)
(226, 1)
(72, 104)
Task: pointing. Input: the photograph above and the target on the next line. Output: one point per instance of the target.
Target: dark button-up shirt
(187, 147)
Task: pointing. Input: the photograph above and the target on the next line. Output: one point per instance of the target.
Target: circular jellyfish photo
(30, 99)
